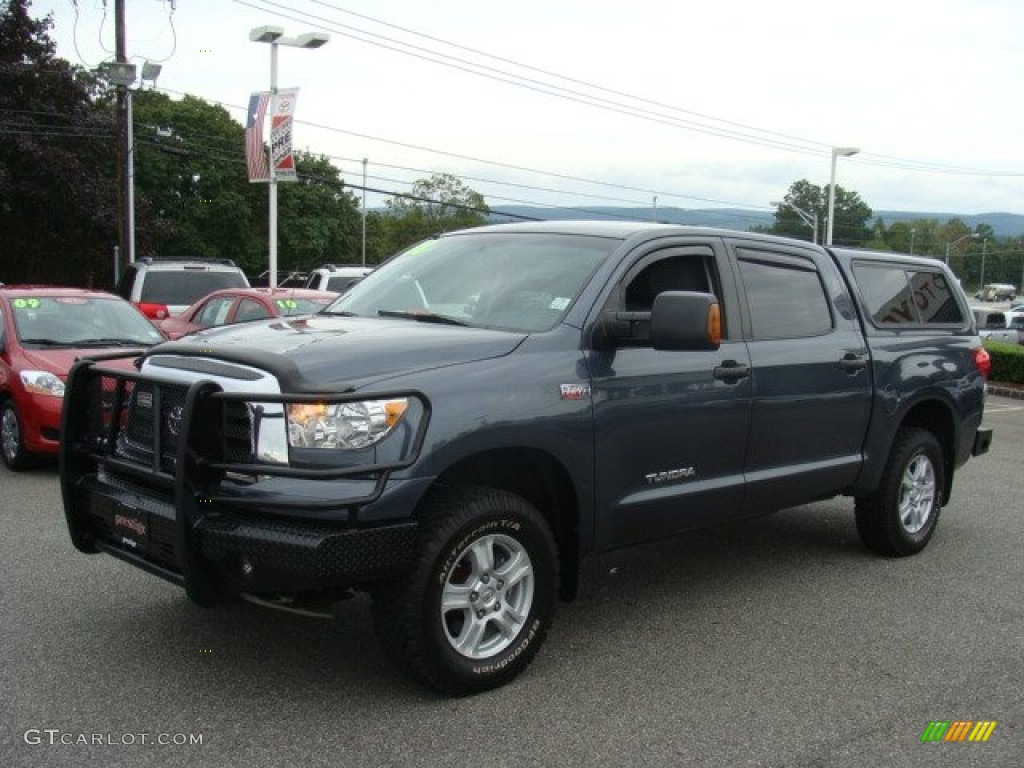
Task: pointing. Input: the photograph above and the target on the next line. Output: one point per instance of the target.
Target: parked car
(164, 287)
(993, 326)
(997, 292)
(336, 277)
(43, 330)
(239, 305)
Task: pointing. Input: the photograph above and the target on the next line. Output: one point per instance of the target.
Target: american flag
(255, 152)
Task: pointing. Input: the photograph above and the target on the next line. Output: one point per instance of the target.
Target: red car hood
(59, 361)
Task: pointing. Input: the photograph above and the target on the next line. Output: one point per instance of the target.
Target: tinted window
(896, 296)
(341, 284)
(186, 286)
(786, 298)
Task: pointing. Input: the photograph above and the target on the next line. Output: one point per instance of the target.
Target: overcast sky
(703, 104)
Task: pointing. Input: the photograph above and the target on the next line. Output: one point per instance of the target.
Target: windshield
(511, 281)
(80, 321)
(186, 286)
(296, 306)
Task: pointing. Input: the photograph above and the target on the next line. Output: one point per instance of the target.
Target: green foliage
(58, 205)
(852, 214)
(441, 203)
(1007, 362)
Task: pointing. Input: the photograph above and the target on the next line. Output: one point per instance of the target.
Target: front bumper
(233, 552)
(192, 508)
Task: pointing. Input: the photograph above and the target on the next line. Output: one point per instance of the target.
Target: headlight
(342, 425)
(42, 383)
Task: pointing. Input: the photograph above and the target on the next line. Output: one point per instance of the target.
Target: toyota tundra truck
(490, 406)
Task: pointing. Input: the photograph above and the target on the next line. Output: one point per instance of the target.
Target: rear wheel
(12, 444)
(900, 517)
(480, 598)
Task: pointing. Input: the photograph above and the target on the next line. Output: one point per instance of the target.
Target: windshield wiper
(112, 343)
(336, 314)
(423, 317)
(47, 342)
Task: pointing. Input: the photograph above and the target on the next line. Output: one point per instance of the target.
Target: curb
(996, 389)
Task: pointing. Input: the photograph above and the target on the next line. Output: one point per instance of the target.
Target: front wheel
(899, 518)
(12, 444)
(480, 598)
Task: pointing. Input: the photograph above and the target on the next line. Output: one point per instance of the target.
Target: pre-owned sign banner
(281, 134)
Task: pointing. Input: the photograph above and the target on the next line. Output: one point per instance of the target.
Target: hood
(308, 353)
(59, 361)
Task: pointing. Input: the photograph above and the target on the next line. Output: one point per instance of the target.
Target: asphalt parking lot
(778, 643)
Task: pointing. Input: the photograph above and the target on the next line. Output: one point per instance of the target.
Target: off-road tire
(491, 557)
(900, 517)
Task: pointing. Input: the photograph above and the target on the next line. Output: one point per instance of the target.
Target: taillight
(155, 311)
(982, 361)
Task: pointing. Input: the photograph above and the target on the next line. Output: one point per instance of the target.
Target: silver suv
(336, 277)
(162, 287)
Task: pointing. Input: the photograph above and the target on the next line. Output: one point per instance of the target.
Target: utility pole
(123, 137)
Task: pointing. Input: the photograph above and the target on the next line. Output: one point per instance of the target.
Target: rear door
(811, 386)
(670, 426)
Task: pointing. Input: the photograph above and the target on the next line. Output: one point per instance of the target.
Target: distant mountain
(1003, 224)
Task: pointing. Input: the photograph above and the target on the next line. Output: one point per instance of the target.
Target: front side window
(251, 310)
(785, 295)
(214, 312)
(899, 296)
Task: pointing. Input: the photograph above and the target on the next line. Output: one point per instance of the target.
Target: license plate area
(131, 526)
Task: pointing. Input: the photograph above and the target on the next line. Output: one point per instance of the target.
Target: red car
(238, 305)
(43, 330)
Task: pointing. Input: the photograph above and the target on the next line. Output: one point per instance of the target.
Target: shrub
(1007, 362)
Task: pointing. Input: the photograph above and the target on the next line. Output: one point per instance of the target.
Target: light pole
(954, 243)
(912, 233)
(984, 248)
(275, 37)
(810, 219)
(364, 212)
(836, 152)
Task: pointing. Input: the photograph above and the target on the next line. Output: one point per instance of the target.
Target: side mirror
(684, 320)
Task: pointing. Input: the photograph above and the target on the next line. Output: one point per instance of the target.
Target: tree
(441, 203)
(318, 219)
(852, 214)
(56, 157)
(190, 176)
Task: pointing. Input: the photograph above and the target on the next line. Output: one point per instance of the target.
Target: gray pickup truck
(490, 406)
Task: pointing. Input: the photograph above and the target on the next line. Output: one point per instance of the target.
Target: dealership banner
(281, 134)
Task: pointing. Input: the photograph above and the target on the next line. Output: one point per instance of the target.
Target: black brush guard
(121, 464)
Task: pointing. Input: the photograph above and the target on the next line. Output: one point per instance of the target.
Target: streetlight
(984, 248)
(810, 219)
(954, 243)
(836, 152)
(275, 37)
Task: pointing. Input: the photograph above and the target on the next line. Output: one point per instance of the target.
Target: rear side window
(786, 297)
(897, 296)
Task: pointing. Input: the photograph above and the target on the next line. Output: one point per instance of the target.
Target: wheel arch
(936, 417)
(543, 481)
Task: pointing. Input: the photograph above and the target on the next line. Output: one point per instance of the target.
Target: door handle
(852, 362)
(730, 371)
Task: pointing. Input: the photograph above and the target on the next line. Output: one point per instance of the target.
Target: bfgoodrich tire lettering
(900, 517)
(479, 601)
